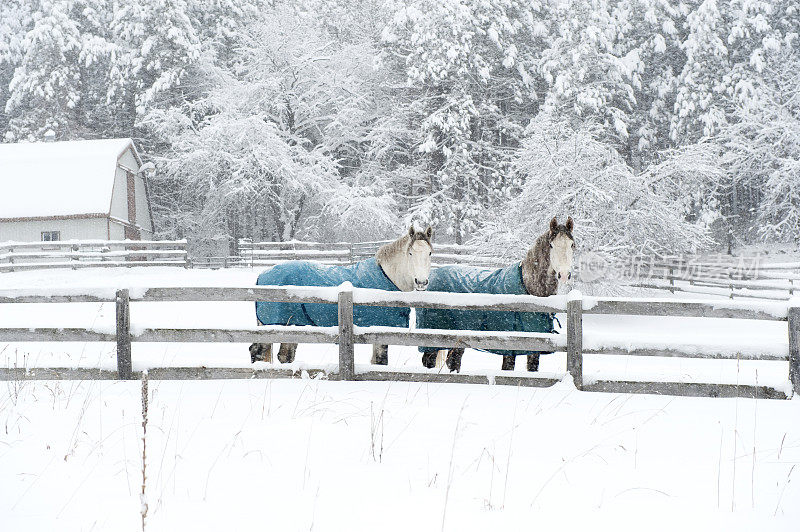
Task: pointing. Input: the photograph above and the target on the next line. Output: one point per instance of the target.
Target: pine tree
(155, 48)
(728, 45)
(15, 21)
(763, 157)
(470, 89)
(56, 80)
(648, 33)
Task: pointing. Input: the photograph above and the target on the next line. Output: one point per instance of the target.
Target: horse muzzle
(420, 284)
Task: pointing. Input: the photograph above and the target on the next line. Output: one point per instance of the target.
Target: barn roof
(47, 179)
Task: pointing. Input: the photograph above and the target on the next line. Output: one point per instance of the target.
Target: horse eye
(551, 245)
(573, 245)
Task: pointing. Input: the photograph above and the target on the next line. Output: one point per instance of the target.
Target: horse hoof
(255, 352)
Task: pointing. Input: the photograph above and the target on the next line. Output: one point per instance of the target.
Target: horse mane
(388, 251)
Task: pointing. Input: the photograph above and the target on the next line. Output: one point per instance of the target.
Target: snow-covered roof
(46, 179)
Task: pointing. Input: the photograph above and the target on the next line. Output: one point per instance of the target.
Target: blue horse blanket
(364, 274)
(469, 279)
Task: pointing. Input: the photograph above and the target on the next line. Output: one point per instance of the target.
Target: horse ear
(570, 224)
(429, 232)
(553, 224)
(411, 230)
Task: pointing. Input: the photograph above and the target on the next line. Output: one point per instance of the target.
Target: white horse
(400, 265)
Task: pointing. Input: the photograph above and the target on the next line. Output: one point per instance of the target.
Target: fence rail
(745, 277)
(346, 335)
(270, 253)
(732, 277)
(20, 256)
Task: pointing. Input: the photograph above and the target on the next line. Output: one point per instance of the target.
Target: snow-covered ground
(313, 454)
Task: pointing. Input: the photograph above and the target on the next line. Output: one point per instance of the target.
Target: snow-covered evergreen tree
(763, 156)
(728, 46)
(468, 70)
(648, 35)
(155, 47)
(587, 77)
(59, 79)
(15, 21)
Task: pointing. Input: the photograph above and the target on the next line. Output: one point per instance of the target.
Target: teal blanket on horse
(364, 274)
(469, 279)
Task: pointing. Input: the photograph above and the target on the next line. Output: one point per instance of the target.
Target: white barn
(75, 190)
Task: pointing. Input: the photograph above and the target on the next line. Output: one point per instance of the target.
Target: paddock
(126, 332)
(270, 444)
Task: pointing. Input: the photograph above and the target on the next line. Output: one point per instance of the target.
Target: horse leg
(509, 361)
(260, 353)
(286, 353)
(454, 359)
(429, 359)
(380, 354)
(533, 362)
(441, 354)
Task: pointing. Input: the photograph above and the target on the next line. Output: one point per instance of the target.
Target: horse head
(419, 256)
(562, 247)
(407, 260)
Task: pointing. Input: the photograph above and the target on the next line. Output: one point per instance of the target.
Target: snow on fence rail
(346, 335)
(270, 253)
(18, 256)
(729, 276)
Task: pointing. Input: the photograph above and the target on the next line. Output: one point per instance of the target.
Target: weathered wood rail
(743, 277)
(270, 253)
(74, 254)
(346, 335)
(733, 277)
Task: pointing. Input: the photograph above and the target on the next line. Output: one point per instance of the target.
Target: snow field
(313, 454)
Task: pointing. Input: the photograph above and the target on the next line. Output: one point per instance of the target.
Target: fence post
(671, 280)
(794, 348)
(346, 349)
(575, 337)
(124, 366)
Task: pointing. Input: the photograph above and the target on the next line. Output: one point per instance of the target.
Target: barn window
(51, 236)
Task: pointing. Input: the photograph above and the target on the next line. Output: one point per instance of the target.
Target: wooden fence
(732, 277)
(20, 256)
(726, 276)
(748, 277)
(270, 253)
(346, 335)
